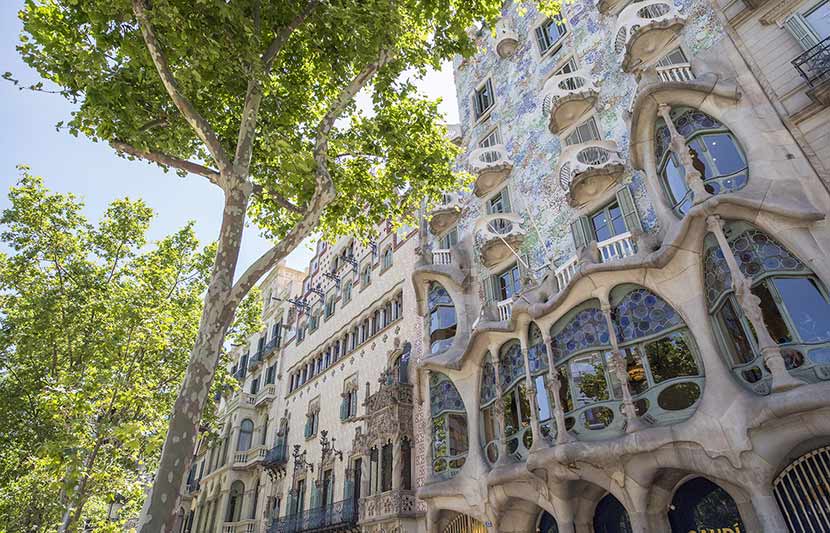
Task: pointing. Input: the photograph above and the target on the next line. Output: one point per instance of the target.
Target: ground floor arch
(701, 505)
(462, 523)
(610, 516)
(802, 491)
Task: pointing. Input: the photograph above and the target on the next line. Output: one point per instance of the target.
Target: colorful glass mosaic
(586, 330)
(443, 396)
(511, 365)
(641, 313)
(687, 121)
(755, 252)
(488, 384)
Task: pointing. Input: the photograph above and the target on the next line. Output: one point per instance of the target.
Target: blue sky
(93, 171)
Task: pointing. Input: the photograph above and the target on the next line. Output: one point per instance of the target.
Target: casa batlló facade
(623, 325)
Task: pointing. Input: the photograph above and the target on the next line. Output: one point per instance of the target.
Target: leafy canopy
(96, 325)
(382, 162)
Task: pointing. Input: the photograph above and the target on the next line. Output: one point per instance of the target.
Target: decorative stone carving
(694, 179)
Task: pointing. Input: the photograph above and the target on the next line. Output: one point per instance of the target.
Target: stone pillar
(531, 391)
(428, 437)
(751, 306)
(562, 435)
(639, 522)
(498, 407)
(619, 367)
(767, 510)
(694, 180)
(397, 464)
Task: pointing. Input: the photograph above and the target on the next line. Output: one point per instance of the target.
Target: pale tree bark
(75, 504)
(159, 511)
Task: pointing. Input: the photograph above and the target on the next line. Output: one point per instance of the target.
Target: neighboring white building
(622, 326)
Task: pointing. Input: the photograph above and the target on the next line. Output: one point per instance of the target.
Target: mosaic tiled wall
(517, 83)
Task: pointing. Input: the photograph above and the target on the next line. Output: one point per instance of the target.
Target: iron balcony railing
(814, 63)
(339, 516)
(276, 456)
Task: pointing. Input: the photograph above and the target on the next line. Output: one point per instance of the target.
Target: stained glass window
(488, 383)
(537, 355)
(442, 319)
(511, 364)
(641, 313)
(443, 395)
(583, 330)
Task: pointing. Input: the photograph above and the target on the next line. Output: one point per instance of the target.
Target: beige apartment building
(623, 325)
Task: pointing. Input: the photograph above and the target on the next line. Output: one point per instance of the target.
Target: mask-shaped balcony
(490, 166)
(644, 29)
(444, 215)
(506, 40)
(499, 236)
(454, 133)
(567, 97)
(588, 169)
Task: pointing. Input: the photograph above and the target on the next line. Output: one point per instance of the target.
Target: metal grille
(464, 524)
(814, 64)
(803, 492)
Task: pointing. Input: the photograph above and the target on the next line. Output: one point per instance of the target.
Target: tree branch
(324, 191)
(200, 126)
(285, 32)
(169, 161)
(278, 198)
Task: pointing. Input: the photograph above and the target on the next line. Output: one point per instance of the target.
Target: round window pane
(679, 396)
(597, 418)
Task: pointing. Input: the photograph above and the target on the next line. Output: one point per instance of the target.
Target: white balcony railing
(441, 257)
(678, 72)
(637, 20)
(617, 247)
(565, 272)
(505, 309)
(267, 392)
(249, 456)
(566, 97)
(243, 526)
(613, 249)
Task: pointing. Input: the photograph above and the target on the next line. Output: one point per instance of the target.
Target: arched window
(387, 258)
(611, 517)
(347, 292)
(442, 318)
(246, 435)
(515, 399)
(235, 496)
(699, 504)
(537, 357)
(664, 376)
(488, 396)
(400, 368)
(366, 276)
(795, 307)
(801, 492)
(715, 152)
(547, 523)
(449, 426)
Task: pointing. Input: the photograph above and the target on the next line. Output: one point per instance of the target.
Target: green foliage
(248, 318)
(383, 165)
(95, 330)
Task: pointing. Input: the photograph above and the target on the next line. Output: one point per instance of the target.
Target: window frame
(541, 31)
(480, 113)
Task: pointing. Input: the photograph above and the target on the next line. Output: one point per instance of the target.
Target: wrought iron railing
(814, 63)
(339, 516)
(276, 456)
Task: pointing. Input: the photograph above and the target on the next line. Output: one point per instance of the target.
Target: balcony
(265, 394)
(277, 457)
(193, 486)
(490, 166)
(240, 399)
(814, 66)
(270, 346)
(441, 257)
(505, 309)
(679, 72)
(255, 360)
(589, 168)
(506, 39)
(499, 236)
(339, 516)
(454, 133)
(243, 526)
(644, 29)
(613, 249)
(387, 505)
(250, 457)
(445, 214)
(567, 97)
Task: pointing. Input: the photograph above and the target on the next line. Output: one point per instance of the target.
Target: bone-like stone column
(531, 392)
(751, 306)
(428, 437)
(554, 385)
(694, 180)
(620, 368)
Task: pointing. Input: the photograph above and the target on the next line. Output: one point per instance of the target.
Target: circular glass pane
(679, 396)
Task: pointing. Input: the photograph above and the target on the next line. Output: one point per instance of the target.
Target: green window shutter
(801, 30)
(489, 289)
(505, 195)
(344, 408)
(307, 427)
(629, 210)
(348, 489)
(315, 497)
(581, 232)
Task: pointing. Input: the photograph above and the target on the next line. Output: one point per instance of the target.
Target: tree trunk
(159, 512)
(76, 501)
